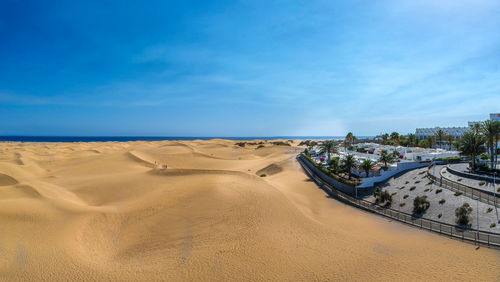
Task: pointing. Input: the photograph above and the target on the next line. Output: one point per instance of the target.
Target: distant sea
(149, 138)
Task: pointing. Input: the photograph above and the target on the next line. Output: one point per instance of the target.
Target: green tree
(429, 141)
(384, 137)
(366, 165)
(348, 163)
(328, 147)
(456, 144)
(334, 164)
(395, 154)
(471, 145)
(440, 135)
(462, 213)
(383, 197)
(403, 141)
(420, 204)
(385, 158)
(395, 138)
(450, 138)
(350, 138)
(490, 130)
(412, 140)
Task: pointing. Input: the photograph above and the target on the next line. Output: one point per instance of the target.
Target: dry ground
(102, 211)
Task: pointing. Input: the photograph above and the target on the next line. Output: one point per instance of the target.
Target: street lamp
(477, 215)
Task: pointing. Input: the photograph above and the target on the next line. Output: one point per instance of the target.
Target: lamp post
(495, 192)
(477, 215)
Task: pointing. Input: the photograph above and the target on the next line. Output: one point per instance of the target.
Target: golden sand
(102, 211)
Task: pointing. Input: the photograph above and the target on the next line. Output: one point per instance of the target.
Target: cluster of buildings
(457, 132)
(406, 157)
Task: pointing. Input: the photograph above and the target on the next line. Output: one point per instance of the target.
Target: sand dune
(103, 211)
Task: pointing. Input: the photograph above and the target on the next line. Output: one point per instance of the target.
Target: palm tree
(395, 137)
(490, 129)
(385, 157)
(385, 137)
(450, 139)
(472, 145)
(328, 147)
(430, 141)
(349, 140)
(497, 138)
(366, 165)
(334, 164)
(412, 140)
(349, 162)
(476, 128)
(456, 144)
(440, 135)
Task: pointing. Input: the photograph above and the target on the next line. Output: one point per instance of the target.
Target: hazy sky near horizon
(246, 68)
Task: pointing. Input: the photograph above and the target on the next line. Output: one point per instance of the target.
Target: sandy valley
(109, 211)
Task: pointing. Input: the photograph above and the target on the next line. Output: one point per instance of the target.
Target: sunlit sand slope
(110, 211)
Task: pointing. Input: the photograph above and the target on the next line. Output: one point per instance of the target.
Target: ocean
(148, 138)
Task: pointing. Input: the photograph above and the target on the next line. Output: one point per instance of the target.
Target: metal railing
(475, 194)
(489, 239)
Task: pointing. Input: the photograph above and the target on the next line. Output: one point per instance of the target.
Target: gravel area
(415, 183)
(488, 186)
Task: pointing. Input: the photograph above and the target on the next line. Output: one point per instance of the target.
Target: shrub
(280, 143)
(263, 175)
(426, 190)
(262, 146)
(481, 183)
(420, 204)
(440, 215)
(462, 213)
(383, 197)
(439, 191)
(451, 159)
(493, 225)
(489, 210)
(412, 188)
(330, 173)
(241, 144)
(405, 196)
(458, 193)
(484, 156)
(442, 201)
(418, 181)
(402, 204)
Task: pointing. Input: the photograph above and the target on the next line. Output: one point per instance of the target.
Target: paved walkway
(473, 183)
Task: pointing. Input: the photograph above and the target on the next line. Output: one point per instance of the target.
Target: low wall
(345, 188)
(402, 167)
(470, 175)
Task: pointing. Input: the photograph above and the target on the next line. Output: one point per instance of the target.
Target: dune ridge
(109, 211)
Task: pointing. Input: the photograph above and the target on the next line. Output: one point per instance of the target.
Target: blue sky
(246, 68)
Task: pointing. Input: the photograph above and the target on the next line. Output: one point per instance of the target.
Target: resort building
(456, 132)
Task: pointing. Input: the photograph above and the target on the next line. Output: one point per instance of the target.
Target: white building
(495, 117)
(457, 132)
(423, 133)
